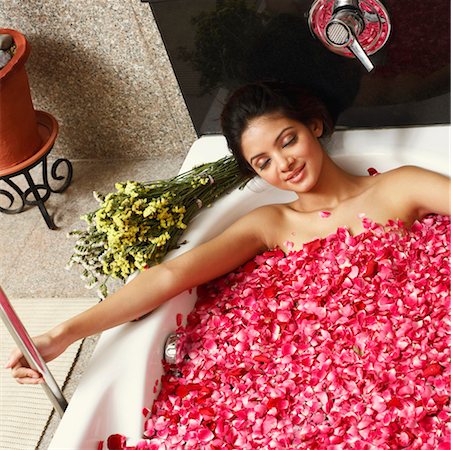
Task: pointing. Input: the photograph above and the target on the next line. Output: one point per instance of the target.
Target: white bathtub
(126, 363)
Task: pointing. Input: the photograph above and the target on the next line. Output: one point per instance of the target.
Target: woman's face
(284, 152)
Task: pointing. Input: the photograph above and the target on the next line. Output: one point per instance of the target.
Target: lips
(296, 175)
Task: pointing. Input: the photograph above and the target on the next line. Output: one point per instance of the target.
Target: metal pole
(31, 353)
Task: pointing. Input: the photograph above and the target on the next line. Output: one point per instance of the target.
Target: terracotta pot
(19, 135)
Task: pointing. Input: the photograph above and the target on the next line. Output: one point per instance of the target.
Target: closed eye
(265, 164)
(290, 142)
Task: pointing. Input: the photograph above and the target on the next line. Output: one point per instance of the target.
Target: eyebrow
(275, 141)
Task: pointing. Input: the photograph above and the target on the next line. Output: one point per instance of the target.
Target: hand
(49, 346)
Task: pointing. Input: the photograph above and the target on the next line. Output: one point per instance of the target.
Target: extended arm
(240, 242)
(153, 287)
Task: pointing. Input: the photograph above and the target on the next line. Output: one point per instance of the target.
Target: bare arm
(153, 287)
(236, 245)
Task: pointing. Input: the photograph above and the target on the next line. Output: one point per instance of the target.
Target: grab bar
(31, 353)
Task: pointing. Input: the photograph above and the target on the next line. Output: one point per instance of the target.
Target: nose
(285, 163)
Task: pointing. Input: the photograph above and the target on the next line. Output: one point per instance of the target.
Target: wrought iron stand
(41, 192)
(36, 193)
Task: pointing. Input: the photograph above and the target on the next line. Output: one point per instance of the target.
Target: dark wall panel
(215, 46)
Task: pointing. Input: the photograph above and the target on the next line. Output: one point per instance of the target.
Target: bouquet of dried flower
(136, 226)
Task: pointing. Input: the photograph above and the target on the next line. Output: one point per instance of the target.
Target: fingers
(14, 358)
(28, 380)
(25, 375)
(20, 369)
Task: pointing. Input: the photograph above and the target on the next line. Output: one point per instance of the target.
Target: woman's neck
(334, 186)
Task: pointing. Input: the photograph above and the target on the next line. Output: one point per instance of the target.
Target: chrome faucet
(352, 28)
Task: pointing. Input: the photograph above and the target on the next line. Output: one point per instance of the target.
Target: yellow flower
(130, 188)
(150, 210)
(161, 240)
(108, 205)
(117, 220)
(138, 205)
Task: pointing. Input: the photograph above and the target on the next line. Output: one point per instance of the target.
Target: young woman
(273, 130)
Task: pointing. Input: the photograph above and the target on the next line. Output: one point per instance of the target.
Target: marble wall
(100, 67)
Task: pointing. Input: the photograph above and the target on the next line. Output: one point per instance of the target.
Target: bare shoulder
(241, 241)
(266, 221)
(406, 178)
(423, 190)
(408, 173)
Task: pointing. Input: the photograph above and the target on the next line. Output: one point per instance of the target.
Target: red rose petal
(262, 358)
(432, 370)
(371, 269)
(116, 442)
(310, 247)
(270, 292)
(249, 267)
(182, 391)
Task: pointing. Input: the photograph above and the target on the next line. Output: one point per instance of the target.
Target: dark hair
(257, 99)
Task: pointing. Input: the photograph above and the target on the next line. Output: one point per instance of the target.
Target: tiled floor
(33, 257)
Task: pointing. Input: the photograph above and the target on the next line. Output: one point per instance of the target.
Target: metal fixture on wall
(351, 28)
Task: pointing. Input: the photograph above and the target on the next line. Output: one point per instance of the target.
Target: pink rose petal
(205, 435)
